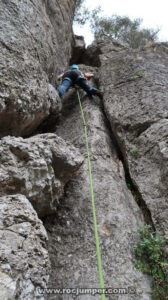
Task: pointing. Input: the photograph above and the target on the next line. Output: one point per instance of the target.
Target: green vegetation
(135, 151)
(81, 12)
(141, 74)
(150, 259)
(137, 75)
(120, 28)
(132, 78)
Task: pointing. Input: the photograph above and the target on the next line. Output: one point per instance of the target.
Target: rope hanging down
(93, 204)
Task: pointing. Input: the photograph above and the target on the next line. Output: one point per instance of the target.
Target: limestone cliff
(35, 41)
(46, 224)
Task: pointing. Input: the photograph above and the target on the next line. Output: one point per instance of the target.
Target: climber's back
(73, 74)
(75, 77)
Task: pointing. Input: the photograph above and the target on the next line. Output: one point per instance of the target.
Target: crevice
(131, 184)
(90, 57)
(10, 49)
(121, 153)
(143, 128)
(48, 125)
(129, 181)
(126, 81)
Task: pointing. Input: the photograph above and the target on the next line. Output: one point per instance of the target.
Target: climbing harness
(93, 204)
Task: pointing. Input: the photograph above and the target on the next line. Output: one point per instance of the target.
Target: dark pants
(86, 87)
(81, 82)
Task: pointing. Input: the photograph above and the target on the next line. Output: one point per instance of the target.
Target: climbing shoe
(96, 92)
(99, 94)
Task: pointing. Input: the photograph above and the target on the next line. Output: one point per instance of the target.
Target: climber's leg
(64, 86)
(96, 92)
(88, 89)
(83, 84)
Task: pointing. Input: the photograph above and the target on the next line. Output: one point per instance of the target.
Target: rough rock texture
(35, 44)
(91, 55)
(37, 167)
(24, 263)
(71, 237)
(78, 49)
(135, 97)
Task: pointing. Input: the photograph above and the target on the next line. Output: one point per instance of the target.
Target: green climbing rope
(93, 204)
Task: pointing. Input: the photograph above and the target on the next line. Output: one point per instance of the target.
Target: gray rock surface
(78, 48)
(35, 44)
(91, 55)
(37, 167)
(71, 236)
(24, 262)
(135, 97)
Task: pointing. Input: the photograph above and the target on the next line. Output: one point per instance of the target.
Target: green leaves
(123, 29)
(82, 13)
(135, 151)
(150, 259)
(120, 28)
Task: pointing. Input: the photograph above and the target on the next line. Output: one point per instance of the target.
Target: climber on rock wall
(75, 77)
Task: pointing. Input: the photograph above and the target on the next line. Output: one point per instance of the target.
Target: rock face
(91, 55)
(38, 168)
(135, 85)
(34, 47)
(78, 49)
(71, 237)
(46, 175)
(24, 263)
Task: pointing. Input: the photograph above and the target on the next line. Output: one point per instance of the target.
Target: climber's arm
(89, 75)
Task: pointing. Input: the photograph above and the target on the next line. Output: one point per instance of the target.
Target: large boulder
(135, 87)
(24, 261)
(35, 45)
(37, 167)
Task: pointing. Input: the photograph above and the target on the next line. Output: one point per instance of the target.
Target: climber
(75, 76)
